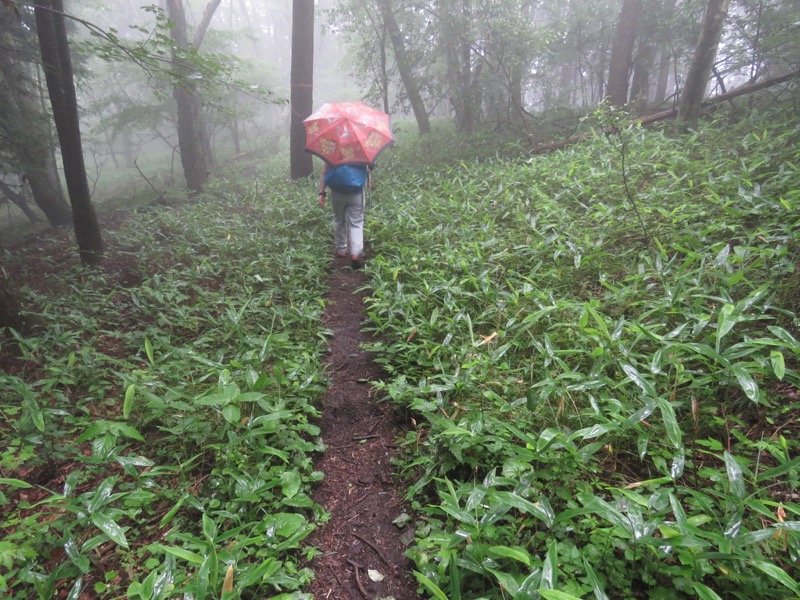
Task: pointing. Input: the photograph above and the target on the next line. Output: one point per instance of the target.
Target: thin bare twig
(356, 567)
(152, 187)
(375, 548)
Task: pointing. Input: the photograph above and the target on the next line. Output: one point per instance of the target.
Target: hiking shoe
(357, 263)
(341, 254)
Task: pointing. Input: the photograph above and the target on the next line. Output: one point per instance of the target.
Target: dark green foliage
(179, 405)
(599, 411)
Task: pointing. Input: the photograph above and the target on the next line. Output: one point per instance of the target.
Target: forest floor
(361, 547)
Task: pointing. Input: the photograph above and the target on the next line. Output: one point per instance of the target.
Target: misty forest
(565, 366)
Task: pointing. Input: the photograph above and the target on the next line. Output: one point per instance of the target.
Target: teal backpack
(346, 178)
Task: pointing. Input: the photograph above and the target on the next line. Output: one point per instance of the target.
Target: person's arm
(321, 195)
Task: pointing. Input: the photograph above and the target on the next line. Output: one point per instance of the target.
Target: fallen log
(672, 113)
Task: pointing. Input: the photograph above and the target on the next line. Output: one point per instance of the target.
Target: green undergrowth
(598, 349)
(170, 399)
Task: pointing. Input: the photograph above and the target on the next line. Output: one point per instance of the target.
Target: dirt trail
(359, 489)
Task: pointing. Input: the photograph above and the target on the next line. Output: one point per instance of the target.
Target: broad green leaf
(108, 526)
(148, 350)
(746, 382)
(734, 472)
(704, 592)
(209, 528)
(507, 581)
(284, 524)
(232, 414)
(252, 575)
(76, 589)
(779, 470)
(674, 433)
(172, 512)
(557, 595)
(134, 461)
(594, 581)
(430, 586)
(778, 574)
(184, 554)
(724, 324)
(637, 378)
(15, 483)
(455, 577)
(291, 483)
(784, 336)
(778, 364)
(516, 553)
(550, 567)
(126, 430)
(127, 405)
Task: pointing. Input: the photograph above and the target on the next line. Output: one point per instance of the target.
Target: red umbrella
(347, 132)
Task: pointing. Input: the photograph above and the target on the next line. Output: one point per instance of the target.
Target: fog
(125, 115)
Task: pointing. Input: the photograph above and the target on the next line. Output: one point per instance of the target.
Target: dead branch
(669, 114)
(356, 568)
(375, 548)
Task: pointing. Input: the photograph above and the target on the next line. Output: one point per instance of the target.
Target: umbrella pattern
(347, 132)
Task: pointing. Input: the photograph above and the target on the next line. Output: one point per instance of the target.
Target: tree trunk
(25, 126)
(54, 46)
(237, 144)
(696, 79)
(665, 52)
(404, 67)
(302, 86)
(384, 71)
(19, 201)
(47, 193)
(190, 130)
(9, 306)
(640, 83)
(622, 52)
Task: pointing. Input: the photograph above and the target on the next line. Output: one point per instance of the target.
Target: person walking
(347, 183)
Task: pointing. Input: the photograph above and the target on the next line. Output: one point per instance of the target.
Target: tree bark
(25, 126)
(404, 67)
(622, 53)
(9, 306)
(640, 83)
(697, 77)
(302, 86)
(54, 47)
(190, 130)
(665, 52)
(41, 174)
(19, 201)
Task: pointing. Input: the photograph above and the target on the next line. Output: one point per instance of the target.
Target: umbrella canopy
(347, 133)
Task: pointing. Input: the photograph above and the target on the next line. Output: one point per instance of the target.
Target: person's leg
(355, 225)
(339, 206)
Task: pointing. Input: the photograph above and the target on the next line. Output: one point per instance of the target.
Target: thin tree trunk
(26, 129)
(47, 194)
(237, 144)
(404, 67)
(622, 52)
(19, 201)
(9, 306)
(54, 46)
(697, 78)
(188, 106)
(640, 83)
(302, 86)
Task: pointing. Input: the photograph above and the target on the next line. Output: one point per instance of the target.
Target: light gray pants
(348, 222)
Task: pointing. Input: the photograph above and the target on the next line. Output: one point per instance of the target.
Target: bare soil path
(360, 543)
